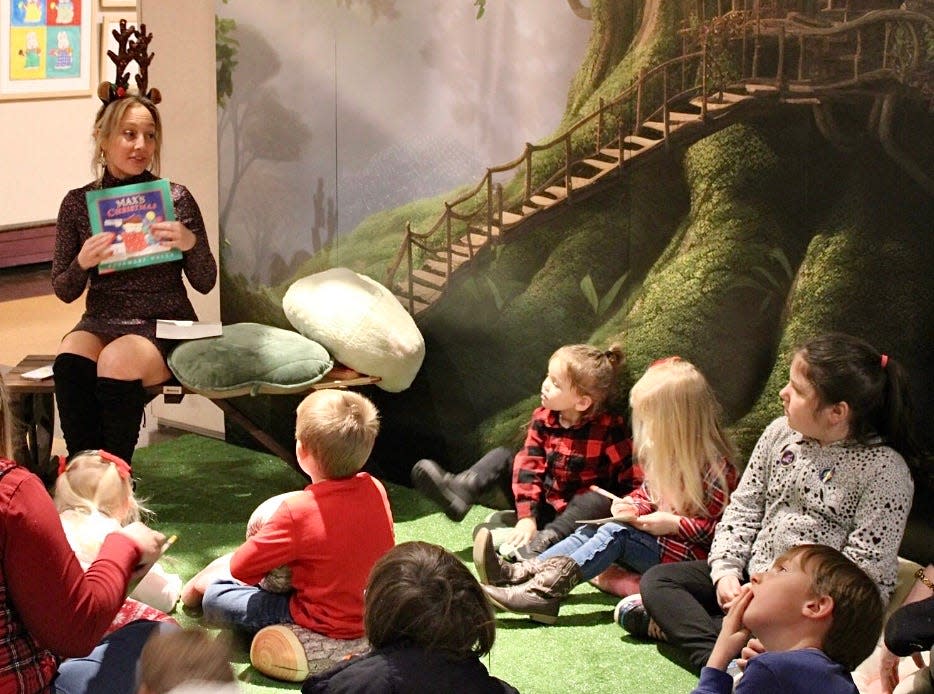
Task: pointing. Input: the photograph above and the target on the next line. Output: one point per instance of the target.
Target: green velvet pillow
(249, 358)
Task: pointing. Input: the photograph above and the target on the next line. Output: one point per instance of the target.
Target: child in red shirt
(329, 535)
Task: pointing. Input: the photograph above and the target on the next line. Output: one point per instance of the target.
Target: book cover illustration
(129, 213)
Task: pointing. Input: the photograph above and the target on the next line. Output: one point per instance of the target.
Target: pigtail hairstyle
(91, 484)
(421, 594)
(843, 368)
(677, 436)
(593, 372)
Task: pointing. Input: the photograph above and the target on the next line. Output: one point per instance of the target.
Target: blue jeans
(595, 548)
(111, 667)
(249, 608)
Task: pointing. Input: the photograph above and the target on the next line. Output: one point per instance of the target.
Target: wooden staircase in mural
(664, 106)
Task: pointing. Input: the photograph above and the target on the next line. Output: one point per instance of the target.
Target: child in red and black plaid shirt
(685, 457)
(573, 442)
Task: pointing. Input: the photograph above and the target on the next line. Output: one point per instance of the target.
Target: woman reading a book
(106, 361)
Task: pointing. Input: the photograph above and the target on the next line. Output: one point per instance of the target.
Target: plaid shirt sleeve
(558, 463)
(640, 498)
(528, 468)
(696, 533)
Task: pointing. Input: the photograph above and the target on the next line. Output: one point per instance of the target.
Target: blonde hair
(677, 435)
(92, 484)
(172, 658)
(338, 428)
(592, 372)
(108, 120)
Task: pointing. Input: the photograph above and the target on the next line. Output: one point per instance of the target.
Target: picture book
(129, 212)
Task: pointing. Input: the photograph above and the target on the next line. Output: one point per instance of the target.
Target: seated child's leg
(681, 598)
(607, 544)
(193, 591)
(584, 506)
(488, 478)
(571, 544)
(112, 666)
(233, 604)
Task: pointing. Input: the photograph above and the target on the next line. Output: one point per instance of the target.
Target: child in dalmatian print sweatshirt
(830, 471)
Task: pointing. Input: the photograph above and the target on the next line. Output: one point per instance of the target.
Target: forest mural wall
(712, 179)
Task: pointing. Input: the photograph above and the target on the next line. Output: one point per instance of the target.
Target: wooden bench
(29, 412)
(24, 244)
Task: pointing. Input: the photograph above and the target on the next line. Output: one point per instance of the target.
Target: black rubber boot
(121, 406)
(455, 494)
(75, 393)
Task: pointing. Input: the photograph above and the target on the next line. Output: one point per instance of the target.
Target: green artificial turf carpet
(204, 490)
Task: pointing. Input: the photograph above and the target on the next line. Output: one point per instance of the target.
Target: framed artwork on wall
(110, 22)
(45, 48)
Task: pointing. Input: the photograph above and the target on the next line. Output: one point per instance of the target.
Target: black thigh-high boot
(75, 393)
(121, 410)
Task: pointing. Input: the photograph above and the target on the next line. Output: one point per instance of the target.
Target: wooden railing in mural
(791, 57)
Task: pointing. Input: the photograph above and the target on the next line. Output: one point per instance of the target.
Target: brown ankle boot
(494, 571)
(541, 597)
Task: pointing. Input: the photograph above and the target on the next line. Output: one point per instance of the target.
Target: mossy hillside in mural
(866, 271)
(730, 251)
(690, 227)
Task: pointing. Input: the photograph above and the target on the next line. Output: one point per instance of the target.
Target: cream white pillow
(360, 323)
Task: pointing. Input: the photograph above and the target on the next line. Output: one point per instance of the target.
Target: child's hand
(728, 589)
(658, 523)
(623, 510)
(523, 532)
(148, 541)
(733, 635)
(752, 648)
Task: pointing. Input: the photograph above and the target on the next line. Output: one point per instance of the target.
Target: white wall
(46, 151)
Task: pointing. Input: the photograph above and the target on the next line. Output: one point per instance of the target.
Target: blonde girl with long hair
(685, 457)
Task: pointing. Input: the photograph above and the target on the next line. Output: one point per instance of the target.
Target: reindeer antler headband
(132, 45)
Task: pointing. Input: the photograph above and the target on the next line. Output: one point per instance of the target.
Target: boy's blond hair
(338, 428)
(92, 484)
(857, 605)
(172, 658)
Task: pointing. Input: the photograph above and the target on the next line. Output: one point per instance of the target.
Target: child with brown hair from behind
(428, 624)
(186, 662)
(329, 535)
(815, 616)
